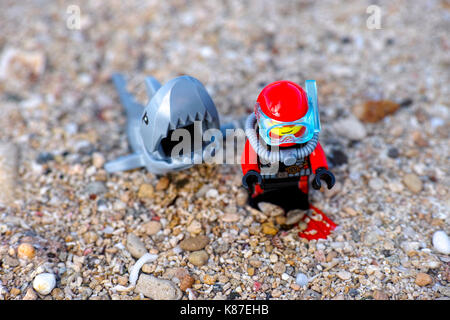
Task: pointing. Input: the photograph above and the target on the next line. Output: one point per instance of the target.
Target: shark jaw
(185, 144)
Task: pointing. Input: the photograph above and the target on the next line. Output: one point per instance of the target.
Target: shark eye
(145, 118)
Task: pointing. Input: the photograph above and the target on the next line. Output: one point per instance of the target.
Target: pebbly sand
(62, 214)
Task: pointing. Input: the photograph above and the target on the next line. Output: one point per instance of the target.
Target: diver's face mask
(277, 133)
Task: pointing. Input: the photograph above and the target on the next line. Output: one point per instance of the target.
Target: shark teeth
(208, 117)
(199, 116)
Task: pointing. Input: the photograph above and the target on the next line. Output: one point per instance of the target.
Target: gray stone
(220, 247)
(135, 246)
(95, 187)
(10, 261)
(9, 154)
(270, 209)
(376, 184)
(294, 216)
(350, 128)
(157, 289)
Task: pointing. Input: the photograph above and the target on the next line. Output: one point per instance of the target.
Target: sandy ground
(62, 214)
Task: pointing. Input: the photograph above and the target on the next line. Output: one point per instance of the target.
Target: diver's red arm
(249, 159)
(318, 159)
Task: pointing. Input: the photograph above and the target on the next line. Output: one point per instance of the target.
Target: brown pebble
(251, 271)
(174, 222)
(279, 267)
(198, 258)
(269, 229)
(194, 227)
(14, 292)
(380, 295)
(350, 211)
(186, 282)
(295, 287)
(319, 255)
(162, 184)
(148, 268)
(145, 191)
(412, 182)
(419, 140)
(122, 280)
(254, 229)
(180, 273)
(176, 272)
(90, 237)
(25, 251)
(57, 294)
(194, 243)
(276, 293)
(423, 279)
(30, 294)
(276, 241)
(373, 111)
(280, 220)
(254, 262)
(151, 228)
(207, 279)
(241, 198)
(230, 217)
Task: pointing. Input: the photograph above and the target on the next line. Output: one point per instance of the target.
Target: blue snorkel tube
(311, 92)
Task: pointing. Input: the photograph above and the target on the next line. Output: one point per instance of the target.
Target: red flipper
(319, 225)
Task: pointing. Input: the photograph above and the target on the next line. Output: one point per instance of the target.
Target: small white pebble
(177, 250)
(301, 279)
(344, 275)
(273, 258)
(441, 242)
(376, 184)
(212, 193)
(120, 288)
(191, 294)
(285, 276)
(44, 283)
(119, 246)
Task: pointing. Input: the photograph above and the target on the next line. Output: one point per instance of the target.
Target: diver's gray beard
(287, 156)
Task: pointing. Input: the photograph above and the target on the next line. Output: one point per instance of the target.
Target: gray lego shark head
(182, 103)
(177, 104)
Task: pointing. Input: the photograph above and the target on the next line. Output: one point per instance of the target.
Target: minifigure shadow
(287, 198)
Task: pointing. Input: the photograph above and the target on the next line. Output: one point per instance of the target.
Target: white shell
(301, 279)
(134, 273)
(44, 283)
(441, 242)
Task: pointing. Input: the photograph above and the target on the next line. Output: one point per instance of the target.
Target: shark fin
(129, 162)
(152, 85)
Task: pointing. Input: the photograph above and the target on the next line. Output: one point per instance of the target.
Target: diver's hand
(325, 175)
(250, 179)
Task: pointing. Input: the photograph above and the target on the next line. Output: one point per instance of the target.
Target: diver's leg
(303, 185)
